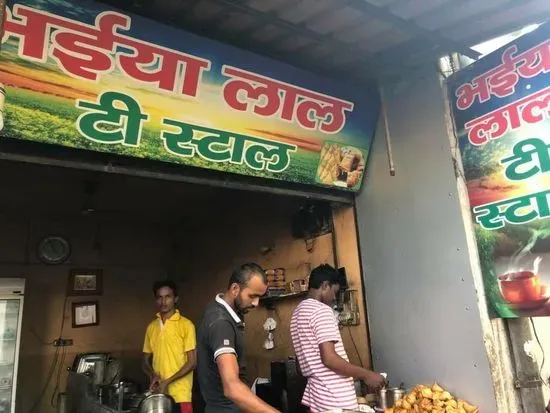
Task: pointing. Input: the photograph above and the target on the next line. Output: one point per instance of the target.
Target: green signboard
(501, 107)
(83, 76)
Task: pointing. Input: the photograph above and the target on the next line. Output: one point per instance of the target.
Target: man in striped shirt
(321, 356)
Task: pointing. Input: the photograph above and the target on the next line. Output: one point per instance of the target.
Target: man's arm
(235, 390)
(147, 364)
(221, 337)
(326, 333)
(187, 368)
(337, 364)
(189, 338)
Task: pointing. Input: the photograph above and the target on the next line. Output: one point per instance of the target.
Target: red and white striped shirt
(312, 324)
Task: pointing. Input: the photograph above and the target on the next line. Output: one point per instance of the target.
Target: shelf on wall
(271, 300)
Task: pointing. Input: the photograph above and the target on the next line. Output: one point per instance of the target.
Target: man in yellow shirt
(169, 349)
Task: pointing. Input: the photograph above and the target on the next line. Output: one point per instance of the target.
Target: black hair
(245, 272)
(322, 273)
(157, 285)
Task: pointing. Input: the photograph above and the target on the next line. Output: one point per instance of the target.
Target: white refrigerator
(12, 291)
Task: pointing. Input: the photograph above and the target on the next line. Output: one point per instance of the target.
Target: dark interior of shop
(135, 231)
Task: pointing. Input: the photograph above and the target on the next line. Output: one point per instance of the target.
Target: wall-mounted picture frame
(85, 282)
(85, 314)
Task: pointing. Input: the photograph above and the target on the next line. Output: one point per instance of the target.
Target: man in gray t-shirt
(221, 365)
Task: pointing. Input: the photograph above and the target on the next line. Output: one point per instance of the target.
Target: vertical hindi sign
(501, 108)
(81, 75)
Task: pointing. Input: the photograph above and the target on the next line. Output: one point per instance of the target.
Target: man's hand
(337, 364)
(155, 383)
(374, 380)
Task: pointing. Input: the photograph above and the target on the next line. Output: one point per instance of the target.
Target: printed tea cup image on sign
(89, 77)
(501, 107)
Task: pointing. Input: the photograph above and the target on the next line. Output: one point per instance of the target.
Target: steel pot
(134, 401)
(156, 403)
(388, 397)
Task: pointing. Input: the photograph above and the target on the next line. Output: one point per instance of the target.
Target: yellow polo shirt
(169, 344)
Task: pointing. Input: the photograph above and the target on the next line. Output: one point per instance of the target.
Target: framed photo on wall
(85, 282)
(85, 314)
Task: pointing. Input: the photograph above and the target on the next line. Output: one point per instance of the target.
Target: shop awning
(355, 40)
(319, 136)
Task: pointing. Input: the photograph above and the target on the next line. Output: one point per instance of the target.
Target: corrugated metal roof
(351, 39)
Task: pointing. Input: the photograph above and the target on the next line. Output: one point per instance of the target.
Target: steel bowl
(156, 403)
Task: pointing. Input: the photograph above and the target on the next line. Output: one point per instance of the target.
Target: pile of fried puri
(434, 399)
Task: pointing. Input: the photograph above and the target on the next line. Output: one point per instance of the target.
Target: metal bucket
(156, 403)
